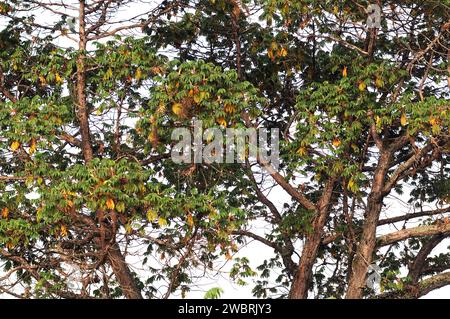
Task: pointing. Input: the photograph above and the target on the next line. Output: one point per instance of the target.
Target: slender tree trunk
(367, 243)
(114, 255)
(82, 110)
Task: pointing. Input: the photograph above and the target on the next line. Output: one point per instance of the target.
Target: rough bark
(415, 269)
(122, 272)
(82, 110)
(303, 276)
(364, 251)
(419, 231)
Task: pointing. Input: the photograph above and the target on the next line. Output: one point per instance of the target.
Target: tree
(363, 115)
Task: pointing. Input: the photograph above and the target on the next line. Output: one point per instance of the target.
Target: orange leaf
(190, 220)
(5, 212)
(110, 203)
(336, 142)
(222, 122)
(228, 255)
(32, 146)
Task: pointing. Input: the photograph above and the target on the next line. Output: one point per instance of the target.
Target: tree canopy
(93, 206)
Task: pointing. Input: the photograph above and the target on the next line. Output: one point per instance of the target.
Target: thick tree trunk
(302, 279)
(303, 275)
(367, 243)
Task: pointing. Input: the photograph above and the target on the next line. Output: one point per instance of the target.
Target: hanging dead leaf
(5, 212)
(110, 203)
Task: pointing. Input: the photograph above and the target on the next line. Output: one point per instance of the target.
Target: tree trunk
(303, 276)
(82, 111)
(123, 274)
(367, 243)
(302, 279)
(114, 256)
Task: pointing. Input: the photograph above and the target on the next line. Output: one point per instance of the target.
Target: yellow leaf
(110, 203)
(302, 151)
(151, 215)
(63, 231)
(162, 222)
(433, 121)
(403, 120)
(14, 146)
(58, 78)
(336, 142)
(282, 52)
(350, 184)
(43, 80)
(197, 98)
(5, 212)
(270, 54)
(210, 136)
(344, 72)
(378, 121)
(177, 108)
(138, 74)
(9, 245)
(379, 82)
(69, 203)
(190, 220)
(161, 108)
(335, 9)
(229, 108)
(108, 74)
(362, 86)
(120, 207)
(436, 129)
